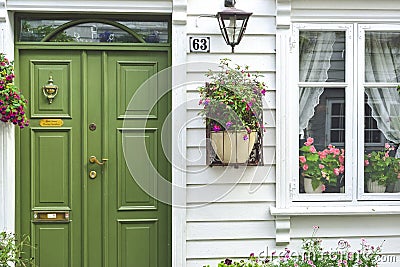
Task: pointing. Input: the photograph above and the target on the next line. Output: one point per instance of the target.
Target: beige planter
(374, 187)
(309, 189)
(230, 146)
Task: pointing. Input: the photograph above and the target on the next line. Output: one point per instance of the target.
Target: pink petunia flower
(341, 169)
(309, 142)
(312, 149)
(341, 159)
(302, 159)
(305, 167)
(336, 171)
(321, 166)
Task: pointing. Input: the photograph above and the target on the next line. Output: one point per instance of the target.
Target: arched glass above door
(93, 31)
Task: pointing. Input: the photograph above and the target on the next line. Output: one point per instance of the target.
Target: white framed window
(343, 93)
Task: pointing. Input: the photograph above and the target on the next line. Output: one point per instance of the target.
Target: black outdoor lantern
(232, 23)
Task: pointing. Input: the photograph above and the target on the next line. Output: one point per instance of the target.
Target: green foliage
(380, 167)
(232, 98)
(11, 250)
(313, 255)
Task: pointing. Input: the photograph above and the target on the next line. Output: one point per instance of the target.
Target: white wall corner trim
(283, 11)
(179, 12)
(179, 74)
(282, 225)
(7, 177)
(3, 11)
(283, 54)
(7, 138)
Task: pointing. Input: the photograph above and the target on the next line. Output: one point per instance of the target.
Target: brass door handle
(93, 160)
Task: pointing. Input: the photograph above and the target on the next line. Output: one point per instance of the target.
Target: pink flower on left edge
(302, 159)
(366, 162)
(305, 167)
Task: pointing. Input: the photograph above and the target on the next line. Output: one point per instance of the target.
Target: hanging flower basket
(232, 111)
(12, 102)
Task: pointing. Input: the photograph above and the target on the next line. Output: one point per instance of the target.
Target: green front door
(80, 213)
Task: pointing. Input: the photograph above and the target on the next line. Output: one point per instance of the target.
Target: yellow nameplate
(51, 123)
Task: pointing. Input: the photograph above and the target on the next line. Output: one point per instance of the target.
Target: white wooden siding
(7, 181)
(228, 208)
(7, 142)
(239, 222)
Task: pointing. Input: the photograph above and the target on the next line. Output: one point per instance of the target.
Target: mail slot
(51, 216)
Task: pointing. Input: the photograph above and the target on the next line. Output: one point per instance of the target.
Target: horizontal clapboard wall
(228, 208)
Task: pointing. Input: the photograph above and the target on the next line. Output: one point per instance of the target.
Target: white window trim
(362, 28)
(302, 199)
(287, 142)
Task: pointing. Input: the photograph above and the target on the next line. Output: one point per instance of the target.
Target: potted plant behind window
(12, 102)
(320, 168)
(232, 109)
(380, 169)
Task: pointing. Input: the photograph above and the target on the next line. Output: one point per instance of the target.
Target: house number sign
(199, 44)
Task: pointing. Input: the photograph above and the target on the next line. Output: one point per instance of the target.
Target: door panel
(113, 222)
(51, 148)
(49, 179)
(41, 70)
(138, 216)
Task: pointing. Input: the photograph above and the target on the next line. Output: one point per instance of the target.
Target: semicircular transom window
(93, 31)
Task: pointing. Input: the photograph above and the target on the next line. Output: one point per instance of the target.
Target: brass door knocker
(50, 90)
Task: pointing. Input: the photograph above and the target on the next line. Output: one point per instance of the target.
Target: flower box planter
(309, 189)
(374, 187)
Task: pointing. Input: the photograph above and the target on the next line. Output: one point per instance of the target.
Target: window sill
(282, 216)
(339, 210)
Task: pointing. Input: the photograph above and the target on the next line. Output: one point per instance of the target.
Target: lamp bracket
(203, 16)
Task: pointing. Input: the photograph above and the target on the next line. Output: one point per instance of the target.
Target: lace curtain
(382, 64)
(316, 50)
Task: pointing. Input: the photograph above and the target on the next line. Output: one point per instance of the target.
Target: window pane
(322, 139)
(382, 56)
(322, 56)
(34, 30)
(381, 166)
